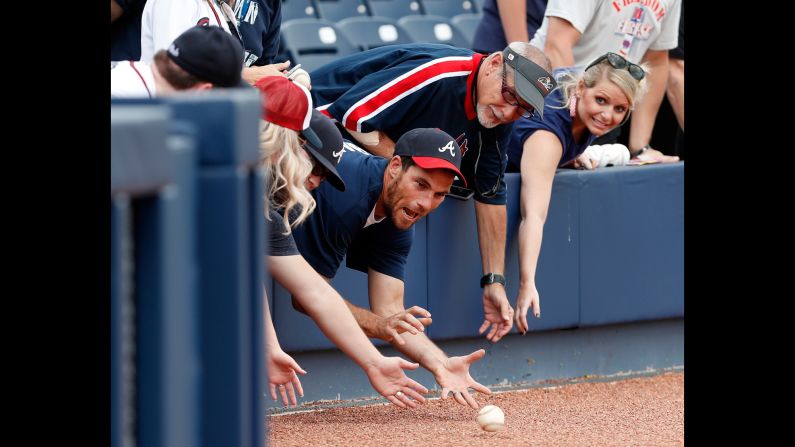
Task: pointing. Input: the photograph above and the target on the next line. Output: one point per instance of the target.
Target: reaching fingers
(479, 388)
(419, 311)
(291, 394)
(273, 392)
(414, 395)
(410, 383)
(405, 399)
(493, 331)
(395, 336)
(295, 366)
(405, 364)
(410, 328)
(283, 393)
(521, 322)
(470, 400)
(475, 356)
(396, 401)
(457, 395)
(297, 385)
(504, 329)
(483, 326)
(413, 321)
(537, 309)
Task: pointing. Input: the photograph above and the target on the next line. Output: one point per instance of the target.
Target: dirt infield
(647, 411)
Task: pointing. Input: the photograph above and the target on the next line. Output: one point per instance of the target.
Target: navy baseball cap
(329, 152)
(532, 82)
(431, 149)
(211, 54)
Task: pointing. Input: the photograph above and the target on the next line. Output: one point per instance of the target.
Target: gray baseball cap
(532, 82)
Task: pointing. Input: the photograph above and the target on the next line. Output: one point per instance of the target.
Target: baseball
(491, 418)
(302, 77)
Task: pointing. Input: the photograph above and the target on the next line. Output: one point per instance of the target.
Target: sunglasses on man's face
(510, 96)
(618, 62)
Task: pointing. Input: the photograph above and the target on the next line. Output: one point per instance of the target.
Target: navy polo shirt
(397, 88)
(557, 121)
(334, 229)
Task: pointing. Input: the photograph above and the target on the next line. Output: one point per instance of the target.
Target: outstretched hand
(404, 321)
(282, 370)
(528, 299)
(655, 155)
(388, 378)
(497, 313)
(454, 378)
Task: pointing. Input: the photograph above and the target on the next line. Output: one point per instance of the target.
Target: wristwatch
(640, 151)
(491, 278)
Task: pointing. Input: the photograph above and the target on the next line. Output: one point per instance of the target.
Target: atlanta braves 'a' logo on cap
(545, 82)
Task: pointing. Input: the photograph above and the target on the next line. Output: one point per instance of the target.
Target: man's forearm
(375, 142)
(645, 113)
(492, 223)
(367, 320)
(513, 15)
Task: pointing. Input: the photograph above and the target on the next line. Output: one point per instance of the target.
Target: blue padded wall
(632, 255)
(297, 332)
(154, 305)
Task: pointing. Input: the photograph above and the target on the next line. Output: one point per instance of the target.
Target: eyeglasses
(617, 61)
(512, 99)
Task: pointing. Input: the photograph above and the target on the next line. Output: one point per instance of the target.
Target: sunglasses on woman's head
(618, 62)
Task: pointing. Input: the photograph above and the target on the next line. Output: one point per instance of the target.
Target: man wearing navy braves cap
(201, 58)
(371, 226)
(380, 94)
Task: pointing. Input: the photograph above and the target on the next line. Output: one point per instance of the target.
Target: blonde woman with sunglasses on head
(580, 109)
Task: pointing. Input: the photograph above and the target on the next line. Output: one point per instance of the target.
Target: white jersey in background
(628, 28)
(164, 20)
(129, 79)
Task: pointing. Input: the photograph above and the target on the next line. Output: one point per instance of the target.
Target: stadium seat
(314, 42)
(435, 29)
(448, 8)
(467, 24)
(298, 9)
(394, 8)
(336, 10)
(373, 32)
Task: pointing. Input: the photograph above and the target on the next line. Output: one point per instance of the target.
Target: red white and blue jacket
(397, 88)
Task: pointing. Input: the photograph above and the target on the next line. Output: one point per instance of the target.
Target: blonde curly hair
(286, 169)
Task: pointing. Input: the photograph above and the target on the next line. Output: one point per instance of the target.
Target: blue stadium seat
(467, 24)
(336, 10)
(394, 8)
(373, 32)
(434, 29)
(298, 9)
(314, 42)
(448, 8)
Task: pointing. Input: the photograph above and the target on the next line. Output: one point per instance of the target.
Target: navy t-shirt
(259, 22)
(557, 121)
(125, 32)
(490, 35)
(397, 88)
(334, 229)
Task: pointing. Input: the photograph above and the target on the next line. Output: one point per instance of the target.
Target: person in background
(506, 21)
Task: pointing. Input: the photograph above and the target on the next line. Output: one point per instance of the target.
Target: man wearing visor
(376, 96)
